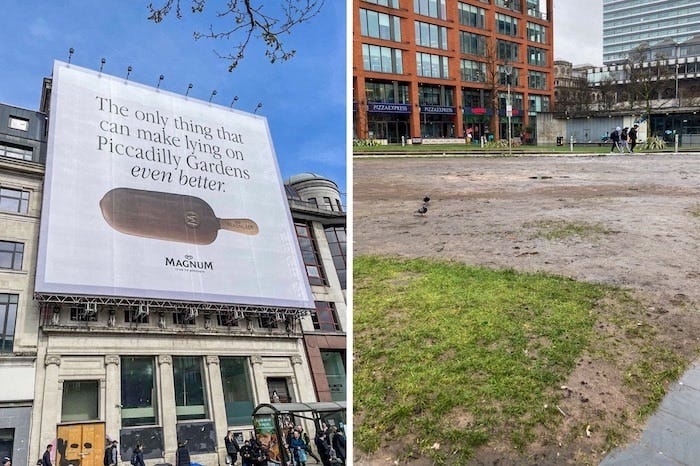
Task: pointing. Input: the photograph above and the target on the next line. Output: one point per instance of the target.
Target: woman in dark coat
(182, 455)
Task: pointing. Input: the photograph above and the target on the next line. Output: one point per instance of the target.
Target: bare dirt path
(639, 217)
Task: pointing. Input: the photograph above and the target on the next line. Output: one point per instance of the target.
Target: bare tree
(246, 20)
(645, 78)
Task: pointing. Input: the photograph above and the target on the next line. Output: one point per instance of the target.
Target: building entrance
(82, 444)
(389, 130)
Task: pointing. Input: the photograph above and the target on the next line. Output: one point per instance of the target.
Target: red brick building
(442, 68)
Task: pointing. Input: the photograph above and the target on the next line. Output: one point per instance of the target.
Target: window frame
(9, 308)
(15, 252)
(16, 196)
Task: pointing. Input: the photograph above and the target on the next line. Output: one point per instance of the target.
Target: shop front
(476, 123)
(388, 121)
(437, 121)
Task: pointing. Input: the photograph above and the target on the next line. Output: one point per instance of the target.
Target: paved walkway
(672, 435)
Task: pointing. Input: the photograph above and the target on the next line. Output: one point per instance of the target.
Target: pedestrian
(339, 445)
(246, 454)
(137, 456)
(232, 448)
(7, 461)
(298, 448)
(615, 138)
(182, 454)
(111, 454)
(307, 441)
(633, 137)
(46, 459)
(624, 140)
(323, 447)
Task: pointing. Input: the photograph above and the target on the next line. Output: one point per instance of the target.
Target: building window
(536, 56)
(431, 35)
(138, 391)
(21, 124)
(470, 15)
(514, 5)
(134, 316)
(310, 255)
(268, 321)
(8, 317)
(507, 50)
(536, 33)
(238, 394)
(325, 318)
(337, 243)
(387, 92)
(432, 8)
(82, 314)
(380, 25)
(472, 71)
(506, 25)
(472, 44)
(14, 200)
(389, 3)
(504, 79)
(185, 317)
(334, 365)
(228, 319)
(312, 200)
(536, 80)
(14, 151)
(189, 389)
(278, 390)
(7, 441)
(11, 255)
(538, 103)
(382, 59)
(80, 401)
(432, 66)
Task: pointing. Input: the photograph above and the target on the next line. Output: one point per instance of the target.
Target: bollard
(675, 143)
(571, 143)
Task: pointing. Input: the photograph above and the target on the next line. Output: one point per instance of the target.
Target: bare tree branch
(247, 20)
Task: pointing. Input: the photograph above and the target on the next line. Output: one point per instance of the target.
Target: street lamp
(508, 68)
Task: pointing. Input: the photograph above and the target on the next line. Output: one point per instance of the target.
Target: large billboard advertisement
(150, 194)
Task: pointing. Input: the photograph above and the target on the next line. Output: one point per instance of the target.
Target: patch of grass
(564, 229)
(432, 339)
(466, 356)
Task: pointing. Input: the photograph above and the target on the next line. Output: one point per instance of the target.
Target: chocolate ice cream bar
(167, 216)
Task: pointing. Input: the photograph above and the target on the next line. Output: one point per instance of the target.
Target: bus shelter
(271, 419)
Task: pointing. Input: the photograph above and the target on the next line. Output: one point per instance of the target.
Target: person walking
(624, 137)
(137, 456)
(633, 137)
(46, 459)
(232, 448)
(338, 444)
(615, 138)
(111, 454)
(182, 454)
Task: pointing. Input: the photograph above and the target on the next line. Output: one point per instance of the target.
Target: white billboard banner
(150, 194)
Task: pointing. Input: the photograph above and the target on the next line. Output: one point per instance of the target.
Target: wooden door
(80, 444)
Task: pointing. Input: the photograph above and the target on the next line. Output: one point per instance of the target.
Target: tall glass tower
(664, 23)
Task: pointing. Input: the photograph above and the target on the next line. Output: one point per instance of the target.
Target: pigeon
(424, 208)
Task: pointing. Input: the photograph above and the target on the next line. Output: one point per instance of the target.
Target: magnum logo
(189, 263)
(167, 216)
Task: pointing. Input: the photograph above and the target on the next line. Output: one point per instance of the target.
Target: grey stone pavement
(672, 435)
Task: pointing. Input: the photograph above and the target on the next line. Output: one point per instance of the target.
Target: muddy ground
(488, 211)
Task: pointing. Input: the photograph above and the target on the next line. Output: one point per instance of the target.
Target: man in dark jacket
(633, 137)
(46, 459)
(339, 445)
(182, 455)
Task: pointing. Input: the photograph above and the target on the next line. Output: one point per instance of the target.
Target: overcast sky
(578, 31)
